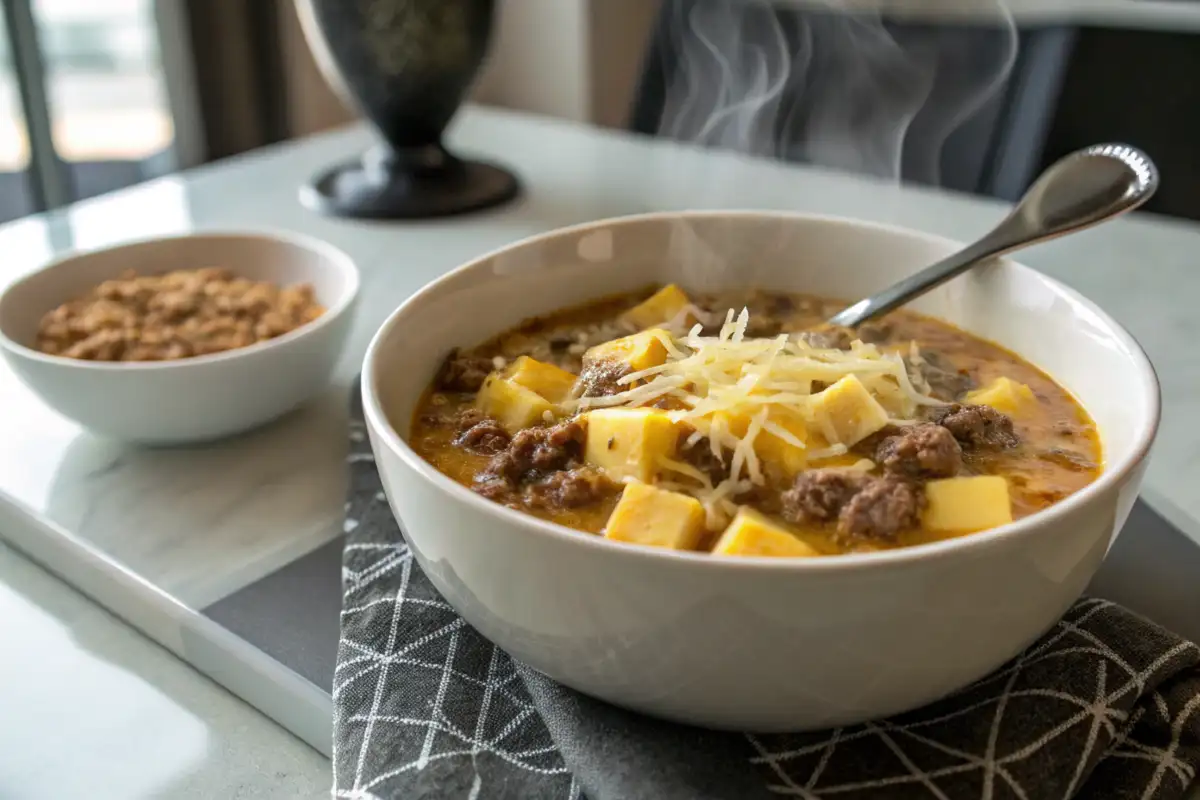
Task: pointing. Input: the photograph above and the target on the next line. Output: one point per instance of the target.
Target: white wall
(539, 58)
(576, 59)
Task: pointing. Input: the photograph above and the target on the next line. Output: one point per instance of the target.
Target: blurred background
(99, 94)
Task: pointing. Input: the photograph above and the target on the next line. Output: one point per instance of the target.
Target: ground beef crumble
(945, 380)
(469, 417)
(883, 508)
(864, 506)
(827, 338)
(818, 495)
(485, 437)
(536, 452)
(571, 488)
(462, 372)
(976, 427)
(920, 452)
(542, 468)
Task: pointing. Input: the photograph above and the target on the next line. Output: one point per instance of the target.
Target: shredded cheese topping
(733, 390)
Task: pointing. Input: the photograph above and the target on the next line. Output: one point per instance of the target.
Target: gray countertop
(201, 523)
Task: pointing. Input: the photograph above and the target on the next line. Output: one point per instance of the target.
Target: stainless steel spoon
(1083, 189)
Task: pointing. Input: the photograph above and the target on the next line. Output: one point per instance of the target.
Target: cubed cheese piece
(640, 351)
(847, 413)
(767, 445)
(511, 404)
(663, 306)
(753, 534)
(966, 505)
(774, 449)
(628, 442)
(658, 518)
(549, 381)
(1003, 394)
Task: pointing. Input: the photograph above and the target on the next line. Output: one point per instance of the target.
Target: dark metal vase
(406, 65)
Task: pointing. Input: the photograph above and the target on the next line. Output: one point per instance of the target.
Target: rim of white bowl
(981, 541)
(333, 254)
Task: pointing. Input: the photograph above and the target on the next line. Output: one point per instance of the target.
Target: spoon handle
(932, 276)
(1084, 189)
(1015, 231)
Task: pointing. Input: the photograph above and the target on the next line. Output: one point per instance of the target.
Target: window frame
(49, 179)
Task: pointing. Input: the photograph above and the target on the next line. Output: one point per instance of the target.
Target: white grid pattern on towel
(502, 708)
(1114, 680)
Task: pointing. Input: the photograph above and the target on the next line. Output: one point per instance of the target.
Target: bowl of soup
(632, 454)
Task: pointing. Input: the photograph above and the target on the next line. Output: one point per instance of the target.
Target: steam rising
(833, 88)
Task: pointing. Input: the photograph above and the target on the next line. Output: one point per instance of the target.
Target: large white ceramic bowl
(192, 399)
(756, 643)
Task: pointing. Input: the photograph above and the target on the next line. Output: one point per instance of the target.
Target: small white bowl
(756, 644)
(193, 399)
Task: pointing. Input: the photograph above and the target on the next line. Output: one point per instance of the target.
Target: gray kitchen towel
(1106, 706)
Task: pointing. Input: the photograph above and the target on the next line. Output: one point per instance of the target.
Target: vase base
(364, 190)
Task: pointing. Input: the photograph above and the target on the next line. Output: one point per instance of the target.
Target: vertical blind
(49, 185)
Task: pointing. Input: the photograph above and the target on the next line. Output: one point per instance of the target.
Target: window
(110, 120)
(86, 104)
(15, 200)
